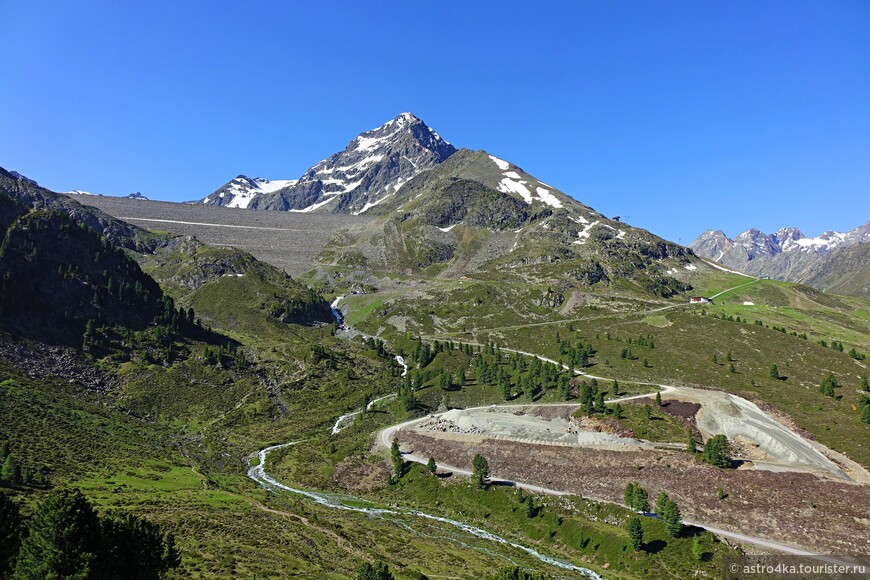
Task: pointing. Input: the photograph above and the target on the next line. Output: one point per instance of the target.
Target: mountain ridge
(789, 255)
(373, 166)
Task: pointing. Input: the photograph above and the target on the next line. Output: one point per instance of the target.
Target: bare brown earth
(354, 475)
(800, 509)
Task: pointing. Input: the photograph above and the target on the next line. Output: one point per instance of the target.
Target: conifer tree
(829, 383)
(672, 518)
(717, 451)
(10, 533)
(480, 470)
(63, 538)
(396, 457)
(635, 533)
(11, 471)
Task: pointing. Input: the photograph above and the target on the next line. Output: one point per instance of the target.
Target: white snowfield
(513, 182)
(242, 190)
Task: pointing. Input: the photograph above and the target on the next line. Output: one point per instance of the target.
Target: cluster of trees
(374, 571)
(405, 393)
(377, 345)
(515, 376)
(637, 499)
(667, 509)
(66, 538)
(321, 353)
(13, 473)
(828, 384)
(717, 451)
(225, 353)
(591, 397)
(576, 355)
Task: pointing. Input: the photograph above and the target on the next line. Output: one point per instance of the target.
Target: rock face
(372, 168)
(789, 255)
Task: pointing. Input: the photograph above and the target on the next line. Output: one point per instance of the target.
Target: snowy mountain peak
(373, 166)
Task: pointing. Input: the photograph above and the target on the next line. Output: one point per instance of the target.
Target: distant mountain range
(135, 195)
(834, 261)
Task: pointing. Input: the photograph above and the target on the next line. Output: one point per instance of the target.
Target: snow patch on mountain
(313, 206)
(508, 185)
(501, 163)
(513, 182)
(547, 197)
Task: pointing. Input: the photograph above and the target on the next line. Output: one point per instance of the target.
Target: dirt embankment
(797, 508)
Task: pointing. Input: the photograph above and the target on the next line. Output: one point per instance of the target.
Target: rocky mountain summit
(789, 255)
(373, 167)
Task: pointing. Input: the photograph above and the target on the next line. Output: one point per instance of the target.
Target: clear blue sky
(681, 115)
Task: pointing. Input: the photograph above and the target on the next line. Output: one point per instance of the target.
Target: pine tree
(11, 471)
(692, 446)
(135, 548)
(865, 386)
(618, 411)
(480, 470)
(599, 402)
(829, 383)
(659, 399)
(530, 507)
(641, 499)
(635, 533)
(431, 465)
(398, 462)
(10, 533)
(774, 371)
(661, 502)
(636, 497)
(697, 550)
(628, 495)
(63, 538)
(673, 519)
(717, 451)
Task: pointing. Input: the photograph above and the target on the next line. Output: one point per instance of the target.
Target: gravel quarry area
(498, 423)
(287, 240)
(773, 446)
(781, 449)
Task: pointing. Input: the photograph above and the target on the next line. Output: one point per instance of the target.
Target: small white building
(699, 300)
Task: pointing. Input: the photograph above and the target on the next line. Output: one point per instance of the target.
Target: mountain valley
(254, 368)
